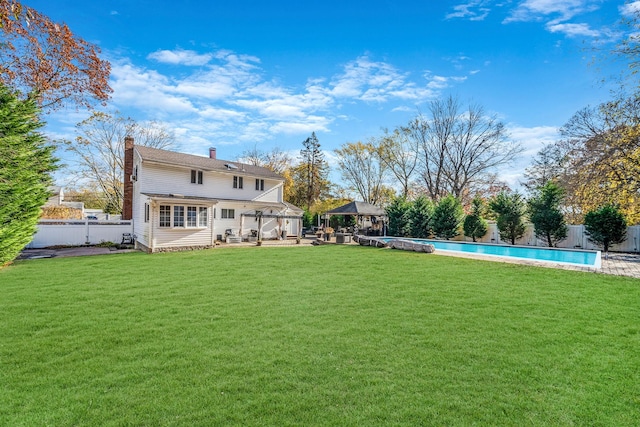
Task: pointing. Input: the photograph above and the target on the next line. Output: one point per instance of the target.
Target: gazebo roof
(357, 208)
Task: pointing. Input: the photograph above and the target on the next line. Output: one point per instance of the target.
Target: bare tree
(459, 148)
(362, 169)
(276, 160)
(99, 149)
(399, 153)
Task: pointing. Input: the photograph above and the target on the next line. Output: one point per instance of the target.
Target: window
(165, 216)
(196, 177)
(228, 213)
(192, 216)
(178, 216)
(146, 212)
(260, 184)
(196, 216)
(202, 216)
(237, 182)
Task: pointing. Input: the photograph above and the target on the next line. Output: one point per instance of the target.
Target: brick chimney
(127, 204)
(212, 153)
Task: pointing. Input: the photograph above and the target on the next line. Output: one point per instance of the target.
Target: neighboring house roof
(172, 158)
(358, 208)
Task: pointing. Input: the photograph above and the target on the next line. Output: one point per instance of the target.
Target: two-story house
(179, 201)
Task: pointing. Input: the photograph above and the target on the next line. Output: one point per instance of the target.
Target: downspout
(152, 222)
(213, 236)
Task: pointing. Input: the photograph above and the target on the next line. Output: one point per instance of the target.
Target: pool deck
(617, 264)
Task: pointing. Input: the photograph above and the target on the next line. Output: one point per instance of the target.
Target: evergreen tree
(475, 226)
(605, 226)
(545, 214)
(399, 218)
(26, 162)
(447, 217)
(420, 216)
(510, 209)
(315, 168)
(310, 178)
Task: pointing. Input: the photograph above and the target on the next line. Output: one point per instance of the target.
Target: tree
(275, 160)
(310, 177)
(547, 165)
(362, 169)
(398, 214)
(99, 149)
(399, 154)
(447, 217)
(510, 210)
(544, 212)
(420, 217)
(475, 226)
(602, 146)
(459, 148)
(605, 226)
(26, 162)
(44, 60)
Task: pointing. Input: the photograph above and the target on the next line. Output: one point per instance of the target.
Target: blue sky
(244, 73)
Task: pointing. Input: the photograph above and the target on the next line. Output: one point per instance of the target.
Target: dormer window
(237, 182)
(196, 177)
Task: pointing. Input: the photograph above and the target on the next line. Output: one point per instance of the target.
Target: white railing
(65, 232)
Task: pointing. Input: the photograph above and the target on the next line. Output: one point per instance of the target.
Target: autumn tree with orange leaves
(44, 60)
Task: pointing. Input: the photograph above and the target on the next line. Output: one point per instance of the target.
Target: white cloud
(180, 57)
(561, 10)
(367, 80)
(532, 140)
(474, 10)
(630, 9)
(573, 30)
(556, 15)
(146, 89)
(228, 101)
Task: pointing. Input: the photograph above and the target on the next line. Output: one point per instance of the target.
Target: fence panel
(576, 239)
(55, 232)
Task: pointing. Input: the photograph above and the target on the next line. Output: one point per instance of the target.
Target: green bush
(605, 226)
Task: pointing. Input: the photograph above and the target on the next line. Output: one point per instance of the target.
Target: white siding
(181, 237)
(155, 178)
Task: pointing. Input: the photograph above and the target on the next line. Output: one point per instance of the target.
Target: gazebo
(370, 219)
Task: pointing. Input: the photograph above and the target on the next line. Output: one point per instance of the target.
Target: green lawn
(302, 336)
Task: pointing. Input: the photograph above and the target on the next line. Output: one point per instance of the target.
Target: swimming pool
(563, 256)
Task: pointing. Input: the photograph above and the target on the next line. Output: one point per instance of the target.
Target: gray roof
(203, 163)
(358, 208)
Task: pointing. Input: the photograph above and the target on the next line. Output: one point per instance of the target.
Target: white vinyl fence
(56, 232)
(576, 239)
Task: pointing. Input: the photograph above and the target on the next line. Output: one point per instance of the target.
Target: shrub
(605, 226)
(447, 217)
(475, 226)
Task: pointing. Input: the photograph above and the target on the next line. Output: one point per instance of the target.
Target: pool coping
(596, 266)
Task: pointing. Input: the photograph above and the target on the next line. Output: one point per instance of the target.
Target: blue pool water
(565, 256)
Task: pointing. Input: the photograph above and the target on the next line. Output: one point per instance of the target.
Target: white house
(179, 201)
